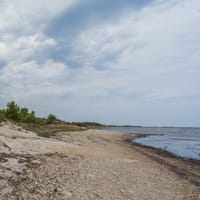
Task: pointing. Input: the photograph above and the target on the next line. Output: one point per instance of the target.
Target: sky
(110, 61)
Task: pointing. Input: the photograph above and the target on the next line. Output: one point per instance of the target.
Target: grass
(50, 130)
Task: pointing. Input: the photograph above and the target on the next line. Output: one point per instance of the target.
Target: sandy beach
(93, 164)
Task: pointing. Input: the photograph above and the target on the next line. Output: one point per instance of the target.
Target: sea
(183, 142)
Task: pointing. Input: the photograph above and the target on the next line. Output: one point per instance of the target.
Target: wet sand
(90, 165)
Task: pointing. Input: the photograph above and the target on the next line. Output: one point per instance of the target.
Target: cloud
(24, 47)
(25, 65)
(142, 62)
(89, 13)
(158, 41)
(31, 79)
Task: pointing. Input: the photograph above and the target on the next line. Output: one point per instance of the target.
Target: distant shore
(92, 164)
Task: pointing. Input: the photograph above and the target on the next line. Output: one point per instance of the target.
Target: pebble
(66, 194)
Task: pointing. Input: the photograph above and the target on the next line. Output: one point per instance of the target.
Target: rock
(1, 143)
(66, 194)
(4, 187)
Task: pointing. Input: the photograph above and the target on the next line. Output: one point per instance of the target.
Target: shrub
(12, 111)
(30, 118)
(23, 114)
(18, 114)
(41, 121)
(51, 119)
(2, 116)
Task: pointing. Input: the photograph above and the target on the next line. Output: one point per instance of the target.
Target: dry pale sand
(90, 165)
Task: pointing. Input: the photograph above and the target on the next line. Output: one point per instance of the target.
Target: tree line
(21, 114)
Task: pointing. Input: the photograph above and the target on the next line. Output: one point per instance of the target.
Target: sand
(93, 164)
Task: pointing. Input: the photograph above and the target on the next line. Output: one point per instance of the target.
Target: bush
(2, 119)
(15, 113)
(41, 121)
(12, 111)
(51, 119)
(30, 118)
(23, 114)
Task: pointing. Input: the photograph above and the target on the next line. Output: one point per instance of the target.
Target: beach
(92, 164)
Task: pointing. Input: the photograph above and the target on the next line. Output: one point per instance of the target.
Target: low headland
(59, 161)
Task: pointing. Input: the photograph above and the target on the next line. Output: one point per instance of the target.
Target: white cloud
(158, 41)
(148, 57)
(28, 15)
(22, 25)
(20, 48)
(31, 79)
(24, 46)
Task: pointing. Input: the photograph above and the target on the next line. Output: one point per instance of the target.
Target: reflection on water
(184, 142)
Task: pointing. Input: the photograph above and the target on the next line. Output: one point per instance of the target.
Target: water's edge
(159, 150)
(183, 142)
(185, 168)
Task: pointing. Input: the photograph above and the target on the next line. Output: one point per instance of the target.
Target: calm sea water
(183, 142)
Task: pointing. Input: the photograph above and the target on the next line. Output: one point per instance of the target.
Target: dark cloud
(90, 13)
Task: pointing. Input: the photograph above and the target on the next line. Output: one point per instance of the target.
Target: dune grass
(50, 130)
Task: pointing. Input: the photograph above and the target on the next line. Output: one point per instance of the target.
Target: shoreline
(93, 164)
(160, 150)
(186, 168)
(182, 143)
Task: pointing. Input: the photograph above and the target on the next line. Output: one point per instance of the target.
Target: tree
(30, 118)
(23, 114)
(51, 118)
(12, 111)
(2, 114)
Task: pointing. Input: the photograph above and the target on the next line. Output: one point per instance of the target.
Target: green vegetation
(50, 130)
(12, 111)
(51, 119)
(23, 115)
(2, 113)
(45, 127)
(87, 124)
